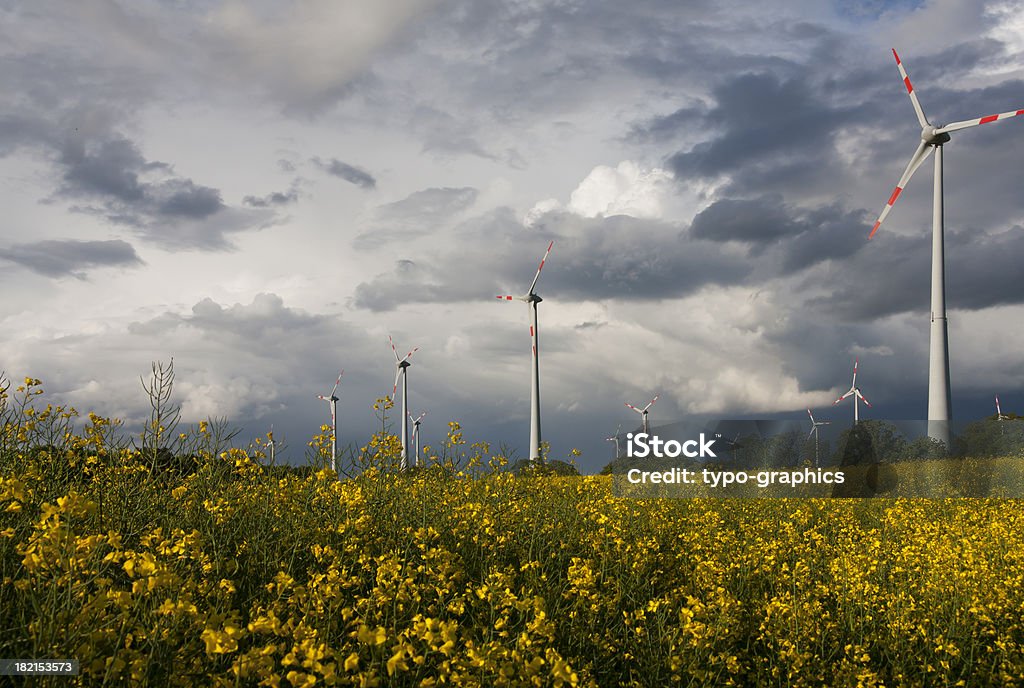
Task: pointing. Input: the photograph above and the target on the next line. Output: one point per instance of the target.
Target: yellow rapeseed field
(220, 570)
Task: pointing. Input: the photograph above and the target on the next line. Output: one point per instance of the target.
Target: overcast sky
(266, 190)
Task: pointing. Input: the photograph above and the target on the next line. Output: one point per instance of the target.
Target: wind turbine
(333, 401)
(932, 138)
(416, 436)
(532, 299)
(615, 438)
(999, 411)
(403, 365)
(273, 446)
(855, 393)
(643, 411)
(814, 431)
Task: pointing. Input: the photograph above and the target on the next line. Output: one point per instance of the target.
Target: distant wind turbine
(333, 402)
(855, 393)
(532, 299)
(403, 366)
(270, 436)
(933, 138)
(615, 438)
(999, 411)
(814, 431)
(416, 436)
(644, 410)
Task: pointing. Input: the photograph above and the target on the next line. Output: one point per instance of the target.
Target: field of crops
(218, 570)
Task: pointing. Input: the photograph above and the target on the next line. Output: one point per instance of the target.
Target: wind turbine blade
(812, 430)
(919, 156)
(921, 119)
(810, 414)
(338, 382)
(956, 126)
(540, 267)
(394, 390)
(861, 397)
(505, 298)
(651, 403)
(393, 349)
(409, 355)
(999, 411)
(856, 362)
(634, 408)
(842, 397)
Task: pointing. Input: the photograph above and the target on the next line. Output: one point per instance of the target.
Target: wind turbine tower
(532, 299)
(402, 372)
(932, 139)
(855, 393)
(643, 411)
(333, 401)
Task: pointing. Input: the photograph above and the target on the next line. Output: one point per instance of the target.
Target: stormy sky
(265, 191)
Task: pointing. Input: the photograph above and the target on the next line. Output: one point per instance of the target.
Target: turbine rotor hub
(929, 136)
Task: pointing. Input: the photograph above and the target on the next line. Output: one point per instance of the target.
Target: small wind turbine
(999, 411)
(933, 138)
(403, 365)
(855, 393)
(270, 436)
(333, 402)
(643, 411)
(615, 438)
(532, 299)
(814, 431)
(416, 436)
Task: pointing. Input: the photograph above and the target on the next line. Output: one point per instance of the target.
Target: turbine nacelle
(933, 135)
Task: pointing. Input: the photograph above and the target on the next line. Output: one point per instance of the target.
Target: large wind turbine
(932, 138)
(814, 431)
(855, 393)
(532, 299)
(643, 411)
(416, 436)
(333, 401)
(403, 365)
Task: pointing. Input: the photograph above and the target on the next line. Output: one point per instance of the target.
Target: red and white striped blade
(856, 362)
(811, 415)
(922, 120)
(862, 397)
(651, 403)
(393, 349)
(409, 355)
(919, 156)
(956, 126)
(337, 382)
(634, 408)
(394, 390)
(505, 298)
(842, 397)
(540, 267)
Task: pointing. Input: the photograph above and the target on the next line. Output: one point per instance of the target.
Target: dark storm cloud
(763, 118)
(894, 275)
(754, 221)
(62, 258)
(108, 176)
(349, 173)
(276, 198)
